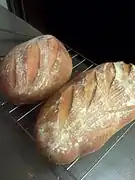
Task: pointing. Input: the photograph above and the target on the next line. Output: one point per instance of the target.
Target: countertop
(19, 159)
(12, 23)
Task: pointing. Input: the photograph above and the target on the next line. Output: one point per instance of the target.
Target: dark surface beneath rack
(82, 168)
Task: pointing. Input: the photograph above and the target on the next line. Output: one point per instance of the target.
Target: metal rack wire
(24, 117)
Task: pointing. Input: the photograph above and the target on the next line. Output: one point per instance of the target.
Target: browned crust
(32, 59)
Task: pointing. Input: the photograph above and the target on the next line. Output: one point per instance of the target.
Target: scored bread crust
(35, 69)
(86, 112)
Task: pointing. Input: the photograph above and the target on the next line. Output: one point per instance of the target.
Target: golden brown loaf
(86, 112)
(35, 69)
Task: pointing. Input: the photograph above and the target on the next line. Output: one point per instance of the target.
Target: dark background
(101, 30)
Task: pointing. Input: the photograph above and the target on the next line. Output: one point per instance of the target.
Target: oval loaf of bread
(86, 112)
(35, 69)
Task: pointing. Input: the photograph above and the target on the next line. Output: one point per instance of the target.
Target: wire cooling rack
(25, 118)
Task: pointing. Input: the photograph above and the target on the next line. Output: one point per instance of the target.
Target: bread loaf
(86, 112)
(34, 70)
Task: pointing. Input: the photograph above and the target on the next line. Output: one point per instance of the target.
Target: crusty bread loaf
(35, 69)
(86, 112)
